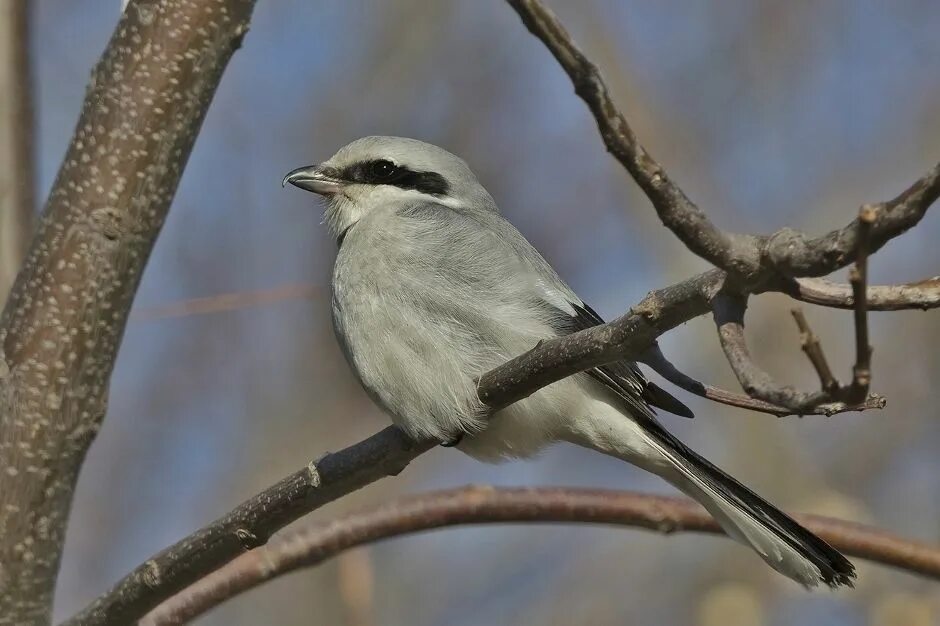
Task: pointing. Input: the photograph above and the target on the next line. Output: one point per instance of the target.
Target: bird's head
(378, 171)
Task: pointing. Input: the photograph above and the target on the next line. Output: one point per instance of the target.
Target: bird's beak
(315, 178)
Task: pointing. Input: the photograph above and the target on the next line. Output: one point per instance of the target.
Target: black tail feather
(836, 570)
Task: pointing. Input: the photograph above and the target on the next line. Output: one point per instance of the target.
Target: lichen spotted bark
(62, 326)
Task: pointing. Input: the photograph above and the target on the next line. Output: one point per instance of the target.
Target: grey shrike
(432, 287)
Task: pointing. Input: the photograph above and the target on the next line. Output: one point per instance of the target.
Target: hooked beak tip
(313, 178)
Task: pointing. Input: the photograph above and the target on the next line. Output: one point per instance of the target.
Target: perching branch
(489, 505)
(386, 453)
(63, 322)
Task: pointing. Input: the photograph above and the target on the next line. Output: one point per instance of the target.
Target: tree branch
(488, 505)
(731, 252)
(63, 322)
(812, 347)
(792, 254)
(655, 359)
(752, 260)
(858, 278)
(923, 294)
(729, 318)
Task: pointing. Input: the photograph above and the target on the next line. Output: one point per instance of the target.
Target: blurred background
(767, 113)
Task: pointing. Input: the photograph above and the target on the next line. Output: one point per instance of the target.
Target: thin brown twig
(812, 347)
(656, 360)
(858, 278)
(728, 310)
(923, 294)
(483, 505)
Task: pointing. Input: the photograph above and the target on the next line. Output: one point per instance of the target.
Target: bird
(432, 287)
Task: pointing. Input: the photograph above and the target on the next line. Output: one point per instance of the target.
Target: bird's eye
(383, 170)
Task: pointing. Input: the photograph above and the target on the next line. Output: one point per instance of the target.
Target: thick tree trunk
(63, 322)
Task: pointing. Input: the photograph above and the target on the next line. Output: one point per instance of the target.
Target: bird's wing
(482, 249)
(623, 377)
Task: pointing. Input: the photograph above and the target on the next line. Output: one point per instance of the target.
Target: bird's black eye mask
(384, 172)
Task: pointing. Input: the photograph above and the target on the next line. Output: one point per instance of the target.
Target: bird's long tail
(784, 544)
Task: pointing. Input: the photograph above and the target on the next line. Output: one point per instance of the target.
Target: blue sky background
(768, 114)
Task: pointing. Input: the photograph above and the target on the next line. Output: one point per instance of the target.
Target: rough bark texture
(17, 202)
(60, 329)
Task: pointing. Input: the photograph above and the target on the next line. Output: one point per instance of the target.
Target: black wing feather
(623, 377)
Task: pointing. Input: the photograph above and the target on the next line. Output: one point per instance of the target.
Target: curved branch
(729, 318)
(487, 505)
(729, 251)
(755, 259)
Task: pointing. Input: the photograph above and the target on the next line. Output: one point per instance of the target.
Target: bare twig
(754, 261)
(810, 344)
(729, 318)
(486, 505)
(655, 359)
(858, 278)
(17, 201)
(66, 313)
(923, 294)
